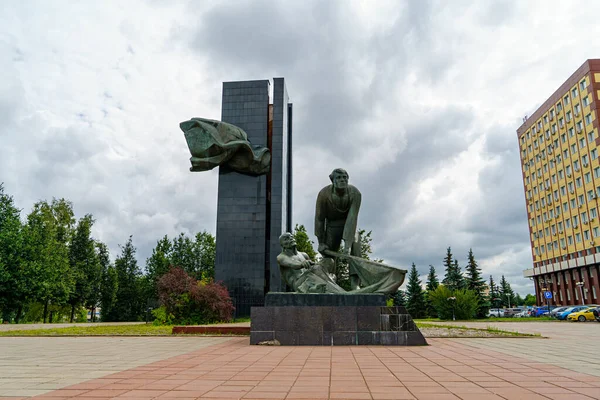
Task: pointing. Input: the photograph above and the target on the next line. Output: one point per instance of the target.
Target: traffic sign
(548, 295)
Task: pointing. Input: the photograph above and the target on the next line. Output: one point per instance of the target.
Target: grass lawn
(98, 330)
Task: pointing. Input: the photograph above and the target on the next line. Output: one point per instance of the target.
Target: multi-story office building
(559, 147)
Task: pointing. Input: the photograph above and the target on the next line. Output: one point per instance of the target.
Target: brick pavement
(447, 369)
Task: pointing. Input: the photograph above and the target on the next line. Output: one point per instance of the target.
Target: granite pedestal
(323, 323)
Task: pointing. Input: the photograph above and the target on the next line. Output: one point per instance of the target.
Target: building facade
(559, 147)
(253, 211)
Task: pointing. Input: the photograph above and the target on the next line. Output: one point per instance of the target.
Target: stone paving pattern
(204, 368)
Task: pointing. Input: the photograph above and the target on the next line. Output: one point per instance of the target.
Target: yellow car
(584, 315)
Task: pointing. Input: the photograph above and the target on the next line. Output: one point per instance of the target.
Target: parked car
(539, 311)
(511, 312)
(565, 314)
(496, 312)
(522, 314)
(585, 314)
(596, 312)
(557, 310)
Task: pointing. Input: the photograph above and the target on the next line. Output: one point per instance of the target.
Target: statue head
(339, 177)
(287, 240)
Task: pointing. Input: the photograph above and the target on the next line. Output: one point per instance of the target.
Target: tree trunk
(46, 310)
(72, 313)
(93, 316)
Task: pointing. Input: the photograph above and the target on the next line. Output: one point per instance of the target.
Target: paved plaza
(228, 368)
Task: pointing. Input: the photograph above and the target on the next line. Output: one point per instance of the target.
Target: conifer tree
(475, 282)
(431, 285)
(129, 304)
(415, 297)
(506, 293)
(453, 278)
(493, 296)
(400, 298)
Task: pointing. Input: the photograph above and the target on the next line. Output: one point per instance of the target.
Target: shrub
(464, 307)
(187, 301)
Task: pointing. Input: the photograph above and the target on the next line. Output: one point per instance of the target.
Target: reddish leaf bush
(188, 301)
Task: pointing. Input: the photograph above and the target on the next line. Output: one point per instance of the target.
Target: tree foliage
(129, 304)
(303, 242)
(184, 300)
(453, 278)
(431, 284)
(415, 297)
(461, 303)
(506, 293)
(475, 282)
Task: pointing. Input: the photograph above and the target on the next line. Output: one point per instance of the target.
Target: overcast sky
(418, 100)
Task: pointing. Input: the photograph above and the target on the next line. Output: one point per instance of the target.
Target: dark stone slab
(366, 319)
(341, 338)
(260, 336)
(275, 299)
(287, 338)
(335, 326)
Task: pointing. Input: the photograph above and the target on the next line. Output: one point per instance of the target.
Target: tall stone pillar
(253, 211)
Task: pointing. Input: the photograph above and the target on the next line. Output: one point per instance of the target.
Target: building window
(582, 144)
(594, 291)
(585, 101)
(593, 212)
(582, 85)
(594, 154)
(574, 92)
(568, 295)
(577, 109)
(596, 232)
(558, 107)
(588, 119)
(591, 272)
(588, 177)
(566, 100)
(591, 136)
(570, 240)
(586, 235)
(545, 119)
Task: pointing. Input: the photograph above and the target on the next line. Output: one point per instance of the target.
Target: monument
(257, 257)
(251, 145)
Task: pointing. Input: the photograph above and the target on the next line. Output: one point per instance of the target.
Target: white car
(496, 312)
(522, 314)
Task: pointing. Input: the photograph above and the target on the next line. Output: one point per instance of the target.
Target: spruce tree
(400, 298)
(493, 296)
(453, 278)
(415, 297)
(129, 304)
(506, 293)
(431, 285)
(475, 282)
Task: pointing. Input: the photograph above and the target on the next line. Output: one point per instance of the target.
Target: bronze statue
(213, 143)
(302, 274)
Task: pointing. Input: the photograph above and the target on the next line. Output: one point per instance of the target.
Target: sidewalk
(445, 370)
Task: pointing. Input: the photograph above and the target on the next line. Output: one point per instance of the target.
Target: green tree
(431, 284)
(475, 282)
(453, 278)
(519, 300)
(342, 268)
(85, 267)
(109, 282)
(400, 298)
(506, 293)
(415, 297)
(205, 250)
(129, 304)
(46, 252)
(14, 287)
(159, 262)
(530, 300)
(494, 296)
(303, 243)
(461, 303)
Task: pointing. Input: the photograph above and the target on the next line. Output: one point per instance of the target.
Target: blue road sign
(548, 295)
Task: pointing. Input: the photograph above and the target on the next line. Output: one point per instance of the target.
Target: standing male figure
(336, 217)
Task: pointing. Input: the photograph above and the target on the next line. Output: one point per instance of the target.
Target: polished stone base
(333, 326)
(275, 299)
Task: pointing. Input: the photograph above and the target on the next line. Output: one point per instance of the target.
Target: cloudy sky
(418, 100)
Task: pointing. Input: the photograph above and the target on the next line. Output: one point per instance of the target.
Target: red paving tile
(443, 370)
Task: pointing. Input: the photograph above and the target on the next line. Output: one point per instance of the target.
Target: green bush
(464, 306)
(162, 317)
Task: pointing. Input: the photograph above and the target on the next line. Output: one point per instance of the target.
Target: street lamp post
(453, 300)
(580, 284)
